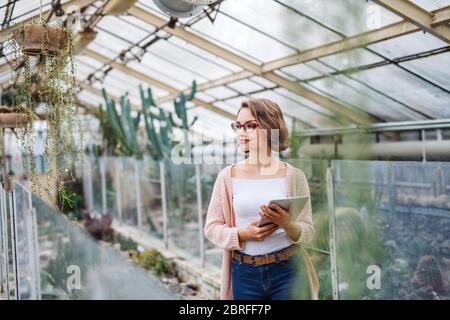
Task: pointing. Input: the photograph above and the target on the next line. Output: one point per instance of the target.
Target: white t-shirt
(248, 196)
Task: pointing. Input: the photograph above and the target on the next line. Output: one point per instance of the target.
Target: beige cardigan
(221, 230)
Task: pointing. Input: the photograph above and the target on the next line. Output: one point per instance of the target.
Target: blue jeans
(274, 281)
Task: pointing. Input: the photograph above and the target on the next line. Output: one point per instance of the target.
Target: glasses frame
(244, 126)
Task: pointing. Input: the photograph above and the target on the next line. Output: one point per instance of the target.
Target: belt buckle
(254, 261)
(266, 257)
(277, 257)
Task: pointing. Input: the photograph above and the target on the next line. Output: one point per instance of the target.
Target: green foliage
(294, 141)
(48, 88)
(126, 243)
(152, 259)
(180, 107)
(69, 201)
(120, 132)
(124, 126)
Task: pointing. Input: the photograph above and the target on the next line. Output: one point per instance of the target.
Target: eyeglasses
(248, 126)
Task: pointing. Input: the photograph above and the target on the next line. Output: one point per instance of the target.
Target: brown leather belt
(282, 255)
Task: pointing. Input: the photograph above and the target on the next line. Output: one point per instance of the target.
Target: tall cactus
(160, 142)
(180, 107)
(124, 126)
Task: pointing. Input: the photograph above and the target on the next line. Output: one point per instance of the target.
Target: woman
(259, 262)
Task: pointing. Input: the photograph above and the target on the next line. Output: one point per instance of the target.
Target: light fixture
(182, 8)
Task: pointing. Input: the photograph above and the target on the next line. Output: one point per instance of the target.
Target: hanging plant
(12, 118)
(41, 39)
(44, 62)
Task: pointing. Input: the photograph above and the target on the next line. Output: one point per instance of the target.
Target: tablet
(293, 205)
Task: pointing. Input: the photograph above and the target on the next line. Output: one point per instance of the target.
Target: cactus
(124, 126)
(180, 107)
(429, 274)
(160, 143)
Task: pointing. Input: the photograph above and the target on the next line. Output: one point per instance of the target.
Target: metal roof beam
(147, 79)
(417, 16)
(338, 108)
(5, 33)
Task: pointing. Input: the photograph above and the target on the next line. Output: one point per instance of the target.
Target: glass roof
(276, 49)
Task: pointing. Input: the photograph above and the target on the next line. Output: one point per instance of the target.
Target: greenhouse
(125, 173)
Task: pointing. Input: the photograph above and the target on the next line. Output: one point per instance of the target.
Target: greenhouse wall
(380, 228)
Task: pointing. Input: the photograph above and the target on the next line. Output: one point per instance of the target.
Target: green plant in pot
(43, 61)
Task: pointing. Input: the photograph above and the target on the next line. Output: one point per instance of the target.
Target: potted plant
(12, 118)
(46, 85)
(41, 39)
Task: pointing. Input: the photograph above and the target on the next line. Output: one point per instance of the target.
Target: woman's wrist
(242, 234)
(290, 225)
(293, 230)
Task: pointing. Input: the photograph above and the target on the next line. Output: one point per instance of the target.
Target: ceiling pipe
(375, 150)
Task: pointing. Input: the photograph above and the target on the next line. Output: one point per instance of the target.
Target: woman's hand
(281, 217)
(255, 233)
(277, 215)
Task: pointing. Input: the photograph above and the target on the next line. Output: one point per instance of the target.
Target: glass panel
(407, 45)
(294, 109)
(408, 89)
(435, 68)
(356, 94)
(305, 102)
(150, 185)
(245, 86)
(213, 254)
(122, 29)
(392, 223)
(108, 45)
(318, 249)
(66, 250)
(104, 50)
(90, 98)
(221, 92)
(162, 75)
(168, 59)
(26, 9)
(205, 97)
(182, 207)
(224, 32)
(186, 46)
(26, 255)
(279, 22)
(198, 63)
(128, 190)
(264, 82)
(88, 61)
(431, 5)
(346, 16)
(110, 185)
(301, 72)
(96, 184)
(351, 59)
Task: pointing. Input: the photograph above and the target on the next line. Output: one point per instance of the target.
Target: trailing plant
(46, 85)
